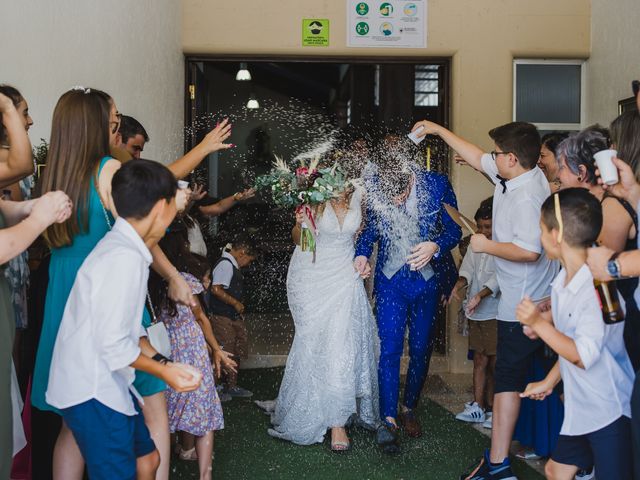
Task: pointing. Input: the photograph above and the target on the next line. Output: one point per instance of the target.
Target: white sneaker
(488, 423)
(472, 414)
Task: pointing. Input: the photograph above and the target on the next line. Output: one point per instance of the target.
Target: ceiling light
(252, 104)
(243, 74)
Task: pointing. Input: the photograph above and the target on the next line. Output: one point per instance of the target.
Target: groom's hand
(361, 264)
(422, 254)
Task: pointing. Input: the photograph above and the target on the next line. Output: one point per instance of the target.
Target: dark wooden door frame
(190, 60)
(190, 110)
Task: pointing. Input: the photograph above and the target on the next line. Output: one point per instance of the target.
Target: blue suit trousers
(405, 298)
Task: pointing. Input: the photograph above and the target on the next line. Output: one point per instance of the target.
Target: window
(549, 93)
(426, 88)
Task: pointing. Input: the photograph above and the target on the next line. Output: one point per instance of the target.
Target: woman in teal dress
(84, 128)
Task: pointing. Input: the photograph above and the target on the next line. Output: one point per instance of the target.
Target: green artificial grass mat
(244, 450)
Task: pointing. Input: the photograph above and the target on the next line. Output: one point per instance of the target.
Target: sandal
(341, 446)
(188, 455)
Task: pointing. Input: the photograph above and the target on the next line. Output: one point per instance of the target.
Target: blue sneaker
(482, 470)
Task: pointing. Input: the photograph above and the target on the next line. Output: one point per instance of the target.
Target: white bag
(159, 338)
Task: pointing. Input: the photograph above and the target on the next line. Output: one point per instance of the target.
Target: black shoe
(482, 471)
(387, 438)
(355, 421)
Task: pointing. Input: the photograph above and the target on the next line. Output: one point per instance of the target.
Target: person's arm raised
(212, 142)
(19, 162)
(471, 153)
(226, 204)
(53, 207)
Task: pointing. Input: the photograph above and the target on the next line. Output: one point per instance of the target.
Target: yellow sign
(315, 32)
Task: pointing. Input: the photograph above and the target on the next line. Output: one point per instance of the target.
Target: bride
(330, 377)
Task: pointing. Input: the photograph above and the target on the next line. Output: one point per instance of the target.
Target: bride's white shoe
(269, 406)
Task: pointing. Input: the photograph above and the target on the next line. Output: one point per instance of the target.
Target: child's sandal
(188, 455)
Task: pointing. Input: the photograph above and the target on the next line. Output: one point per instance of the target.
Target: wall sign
(392, 24)
(315, 32)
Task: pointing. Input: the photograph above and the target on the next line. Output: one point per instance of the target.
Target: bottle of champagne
(609, 302)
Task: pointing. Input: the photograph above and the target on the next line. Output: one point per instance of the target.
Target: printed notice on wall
(393, 24)
(315, 32)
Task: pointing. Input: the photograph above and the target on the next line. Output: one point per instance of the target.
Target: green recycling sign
(315, 32)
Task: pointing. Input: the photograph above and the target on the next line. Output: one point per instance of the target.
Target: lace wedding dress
(331, 371)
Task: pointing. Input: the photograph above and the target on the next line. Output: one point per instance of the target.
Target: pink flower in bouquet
(302, 172)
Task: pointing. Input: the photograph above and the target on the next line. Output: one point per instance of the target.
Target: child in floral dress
(199, 413)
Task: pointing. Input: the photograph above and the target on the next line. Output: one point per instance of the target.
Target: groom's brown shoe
(410, 424)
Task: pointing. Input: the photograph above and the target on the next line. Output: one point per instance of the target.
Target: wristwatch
(613, 267)
(158, 357)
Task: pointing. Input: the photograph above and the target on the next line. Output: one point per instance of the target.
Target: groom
(406, 217)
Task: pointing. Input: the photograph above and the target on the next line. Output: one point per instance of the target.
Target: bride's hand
(361, 264)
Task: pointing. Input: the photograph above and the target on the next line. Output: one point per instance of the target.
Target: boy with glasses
(521, 267)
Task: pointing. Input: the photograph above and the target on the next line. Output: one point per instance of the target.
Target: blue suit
(407, 296)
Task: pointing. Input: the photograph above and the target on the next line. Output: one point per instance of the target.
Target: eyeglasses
(116, 124)
(495, 154)
(635, 86)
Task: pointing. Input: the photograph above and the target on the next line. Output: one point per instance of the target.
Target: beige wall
(615, 57)
(131, 49)
(482, 37)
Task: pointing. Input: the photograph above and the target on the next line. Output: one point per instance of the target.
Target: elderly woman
(577, 168)
(620, 226)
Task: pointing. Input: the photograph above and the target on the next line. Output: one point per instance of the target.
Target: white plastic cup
(183, 184)
(413, 136)
(608, 170)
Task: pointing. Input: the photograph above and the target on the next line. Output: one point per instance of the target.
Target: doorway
(288, 106)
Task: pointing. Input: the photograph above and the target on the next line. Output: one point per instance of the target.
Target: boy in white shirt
(593, 364)
(521, 266)
(478, 273)
(97, 347)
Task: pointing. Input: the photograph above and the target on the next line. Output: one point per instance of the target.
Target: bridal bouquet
(301, 189)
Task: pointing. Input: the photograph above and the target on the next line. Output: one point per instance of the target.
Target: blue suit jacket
(433, 190)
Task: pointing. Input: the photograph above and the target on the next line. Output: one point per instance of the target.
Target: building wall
(615, 57)
(482, 38)
(132, 50)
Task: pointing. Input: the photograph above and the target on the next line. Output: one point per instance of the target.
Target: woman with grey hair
(620, 223)
(577, 168)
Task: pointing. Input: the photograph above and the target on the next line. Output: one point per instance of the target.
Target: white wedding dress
(331, 371)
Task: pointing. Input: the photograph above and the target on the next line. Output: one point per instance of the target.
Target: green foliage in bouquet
(308, 185)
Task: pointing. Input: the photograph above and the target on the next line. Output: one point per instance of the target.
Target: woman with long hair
(84, 127)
